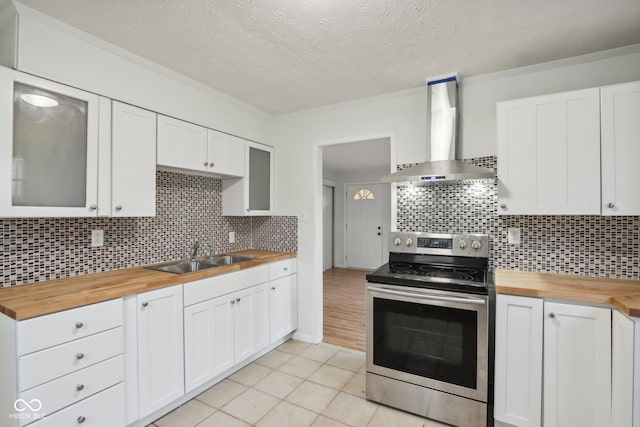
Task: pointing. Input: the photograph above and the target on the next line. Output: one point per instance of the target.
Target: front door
(364, 225)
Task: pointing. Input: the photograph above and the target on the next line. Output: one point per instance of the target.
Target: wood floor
(344, 307)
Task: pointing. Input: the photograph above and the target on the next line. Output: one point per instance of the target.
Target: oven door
(430, 338)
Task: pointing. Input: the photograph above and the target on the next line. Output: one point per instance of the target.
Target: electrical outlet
(232, 237)
(513, 236)
(97, 238)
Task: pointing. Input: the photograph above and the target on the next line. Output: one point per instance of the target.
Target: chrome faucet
(194, 250)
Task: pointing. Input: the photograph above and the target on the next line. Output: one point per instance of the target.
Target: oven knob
(476, 244)
(462, 244)
(409, 242)
(397, 241)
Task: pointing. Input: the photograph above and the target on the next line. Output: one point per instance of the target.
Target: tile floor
(295, 385)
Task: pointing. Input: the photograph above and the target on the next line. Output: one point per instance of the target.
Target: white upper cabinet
(621, 149)
(48, 148)
(181, 145)
(253, 194)
(133, 156)
(187, 147)
(549, 154)
(225, 154)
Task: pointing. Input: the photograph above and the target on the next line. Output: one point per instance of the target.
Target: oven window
(430, 341)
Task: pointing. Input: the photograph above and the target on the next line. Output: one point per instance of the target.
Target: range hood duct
(442, 122)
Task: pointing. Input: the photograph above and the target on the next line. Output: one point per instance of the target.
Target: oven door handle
(464, 300)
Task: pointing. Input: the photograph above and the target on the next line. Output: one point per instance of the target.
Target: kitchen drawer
(57, 328)
(37, 368)
(213, 287)
(282, 268)
(105, 409)
(57, 394)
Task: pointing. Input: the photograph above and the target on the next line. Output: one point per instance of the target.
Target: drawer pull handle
(80, 356)
(81, 419)
(79, 325)
(80, 387)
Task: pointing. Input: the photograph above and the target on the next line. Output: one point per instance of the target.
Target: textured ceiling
(287, 55)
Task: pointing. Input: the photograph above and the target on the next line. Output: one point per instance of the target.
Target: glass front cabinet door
(48, 148)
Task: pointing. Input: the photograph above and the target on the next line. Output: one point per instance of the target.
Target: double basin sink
(198, 264)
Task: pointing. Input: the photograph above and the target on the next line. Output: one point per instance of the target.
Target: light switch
(97, 238)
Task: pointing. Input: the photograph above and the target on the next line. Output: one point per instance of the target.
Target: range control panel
(475, 245)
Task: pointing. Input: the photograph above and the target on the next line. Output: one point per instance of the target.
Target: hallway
(344, 307)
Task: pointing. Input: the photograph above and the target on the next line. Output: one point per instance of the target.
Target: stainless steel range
(430, 314)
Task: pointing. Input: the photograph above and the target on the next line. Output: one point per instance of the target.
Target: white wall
(403, 114)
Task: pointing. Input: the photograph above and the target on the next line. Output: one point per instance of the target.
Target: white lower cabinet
(518, 361)
(160, 348)
(250, 320)
(622, 372)
(562, 364)
(577, 366)
(64, 368)
(283, 304)
(208, 340)
(224, 331)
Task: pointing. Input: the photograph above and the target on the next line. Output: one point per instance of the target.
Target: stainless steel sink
(181, 267)
(198, 264)
(225, 259)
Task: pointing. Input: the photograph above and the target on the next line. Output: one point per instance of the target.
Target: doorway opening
(361, 218)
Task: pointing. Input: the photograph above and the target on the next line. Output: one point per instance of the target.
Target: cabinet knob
(611, 205)
(80, 356)
(503, 206)
(248, 210)
(118, 208)
(286, 269)
(144, 304)
(211, 164)
(273, 288)
(206, 163)
(80, 387)
(237, 299)
(93, 207)
(79, 325)
(233, 301)
(81, 419)
(552, 315)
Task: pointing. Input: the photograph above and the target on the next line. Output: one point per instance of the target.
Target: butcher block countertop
(623, 294)
(36, 299)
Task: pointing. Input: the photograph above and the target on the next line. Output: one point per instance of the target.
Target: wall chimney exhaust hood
(442, 121)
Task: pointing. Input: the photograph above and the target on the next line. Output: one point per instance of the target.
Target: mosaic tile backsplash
(189, 209)
(582, 245)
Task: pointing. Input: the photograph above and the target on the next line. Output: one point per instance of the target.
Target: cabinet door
(620, 149)
(518, 360)
(283, 306)
(48, 148)
(251, 321)
(622, 347)
(160, 348)
(549, 154)
(133, 153)
(259, 191)
(208, 340)
(577, 366)
(181, 145)
(225, 154)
